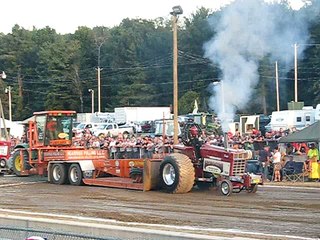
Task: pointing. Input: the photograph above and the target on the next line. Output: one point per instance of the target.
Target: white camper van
(298, 119)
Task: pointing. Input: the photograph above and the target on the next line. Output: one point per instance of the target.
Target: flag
(195, 108)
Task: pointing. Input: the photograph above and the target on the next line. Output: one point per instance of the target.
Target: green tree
(186, 102)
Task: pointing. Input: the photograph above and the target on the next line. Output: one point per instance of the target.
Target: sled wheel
(18, 164)
(226, 187)
(75, 175)
(253, 188)
(58, 174)
(177, 173)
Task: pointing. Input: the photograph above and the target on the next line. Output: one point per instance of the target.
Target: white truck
(112, 130)
(126, 115)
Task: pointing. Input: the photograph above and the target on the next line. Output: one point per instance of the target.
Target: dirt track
(275, 210)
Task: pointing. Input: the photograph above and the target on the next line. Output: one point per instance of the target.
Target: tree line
(48, 71)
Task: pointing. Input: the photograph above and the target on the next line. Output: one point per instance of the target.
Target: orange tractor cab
(50, 152)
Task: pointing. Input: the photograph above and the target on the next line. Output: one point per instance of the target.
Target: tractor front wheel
(253, 188)
(75, 175)
(19, 163)
(225, 187)
(58, 173)
(177, 173)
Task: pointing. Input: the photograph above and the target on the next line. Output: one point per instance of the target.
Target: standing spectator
(313, 155)
(113, 148)
(129, 146)
(149, 148)
(276, 159)
(121, 148)
(264, 160)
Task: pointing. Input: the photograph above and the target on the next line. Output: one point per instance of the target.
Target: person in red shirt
(52, 128)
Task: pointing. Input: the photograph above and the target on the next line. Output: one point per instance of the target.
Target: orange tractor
(50, 152)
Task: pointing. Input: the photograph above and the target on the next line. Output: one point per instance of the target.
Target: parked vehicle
(113, 130)
(147, 127)
(5, 149)
(126, 115)
(166, 125)
(298, 119)
(86, 125)
(249, 123)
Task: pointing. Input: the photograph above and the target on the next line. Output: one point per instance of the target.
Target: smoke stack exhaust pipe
(225, 140)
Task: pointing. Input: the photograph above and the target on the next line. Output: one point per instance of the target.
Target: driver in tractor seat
(52, 128)
(195, 140)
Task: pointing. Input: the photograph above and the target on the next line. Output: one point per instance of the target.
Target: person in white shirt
(276, 159)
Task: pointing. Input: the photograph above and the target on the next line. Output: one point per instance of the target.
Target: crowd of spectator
(144, 145)
(135, 146)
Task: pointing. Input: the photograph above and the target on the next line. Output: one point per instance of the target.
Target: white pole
(277, 87)
(295, 73)
(92, 101)
(99, 90)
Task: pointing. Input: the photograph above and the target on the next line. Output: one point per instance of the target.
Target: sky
(65, 16)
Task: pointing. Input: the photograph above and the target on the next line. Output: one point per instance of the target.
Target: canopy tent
(308, 134)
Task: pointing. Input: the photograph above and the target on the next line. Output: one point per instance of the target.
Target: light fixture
(176, 10)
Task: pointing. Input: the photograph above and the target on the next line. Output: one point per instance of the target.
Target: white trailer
(129, 115)
(248, 123)
(299, 119)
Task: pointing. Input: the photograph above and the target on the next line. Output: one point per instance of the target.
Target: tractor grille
(239, 166)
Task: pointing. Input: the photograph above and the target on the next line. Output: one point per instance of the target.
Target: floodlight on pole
(176, 10)
(3, 75)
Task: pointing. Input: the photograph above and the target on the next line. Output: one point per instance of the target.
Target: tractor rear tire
(225, 187)
(177, 173)
(17, 163)
(75, 175)
(58, 173)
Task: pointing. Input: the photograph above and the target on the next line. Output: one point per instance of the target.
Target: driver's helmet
(194, 131)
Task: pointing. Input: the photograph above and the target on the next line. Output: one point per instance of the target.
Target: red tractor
(206, 165)
(50, 152)
(5, 149)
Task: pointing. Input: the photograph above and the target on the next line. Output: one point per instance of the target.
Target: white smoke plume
(247, 31)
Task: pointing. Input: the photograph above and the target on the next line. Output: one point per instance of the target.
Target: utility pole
(175, 79)
(99, 78)
(4, 122)
(277, 88)
(92, 99)
(177, 10)
(295, 73)
(8, 90)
